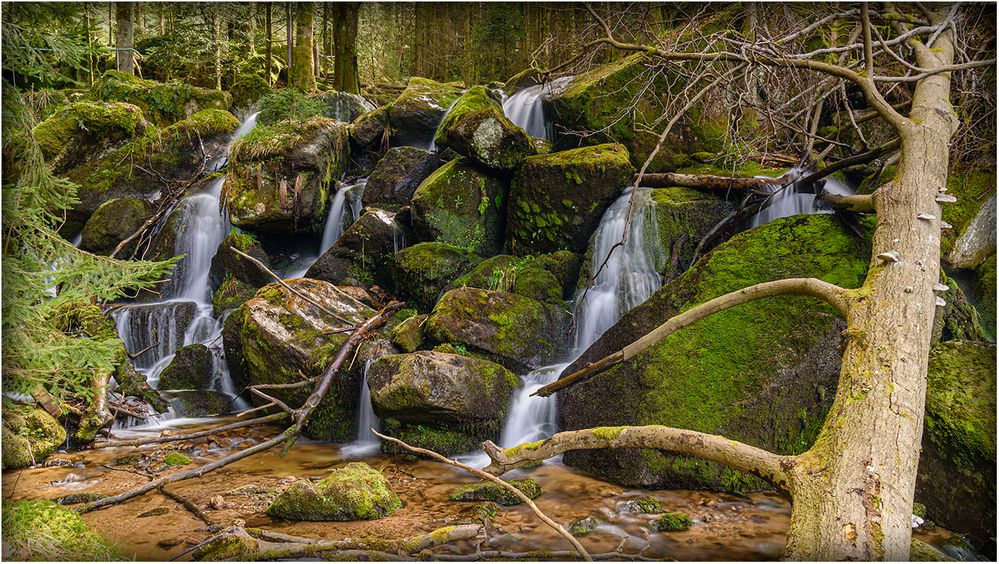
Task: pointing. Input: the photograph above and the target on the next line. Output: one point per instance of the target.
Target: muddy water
(154, 527)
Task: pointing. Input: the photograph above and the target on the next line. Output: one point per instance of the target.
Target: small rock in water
(216, 502)
(672, 522)
(647, 504)
(488, 491)
(287, 480)
(73, 499)
(154, 512)
(170, 543)
(584, 526)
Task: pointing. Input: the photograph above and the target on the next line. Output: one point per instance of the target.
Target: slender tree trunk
(125, 17)
(345, 73)
(216, 22)
(269, 43)
(251, 36)
(90, 46)
(289, 41)
(301, 74)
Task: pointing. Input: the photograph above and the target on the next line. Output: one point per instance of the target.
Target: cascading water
(366, 443)
(157, 330)
(346, 196)
(791, 200)
(524, 108)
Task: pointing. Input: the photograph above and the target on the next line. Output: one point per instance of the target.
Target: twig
(189, 505)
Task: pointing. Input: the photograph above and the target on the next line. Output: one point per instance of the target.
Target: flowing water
(793, 199)
(525, 107)
(367, 443)
(348, 196)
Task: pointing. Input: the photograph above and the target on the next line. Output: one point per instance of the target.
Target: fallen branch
(839, 165)
(581, 552)
(856, 203)
(712, 183)
(539, 555)
(288, 436)
(195, 435)
(189, 505)
(301, 546)
(829, 293)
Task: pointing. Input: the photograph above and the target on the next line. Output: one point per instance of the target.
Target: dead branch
(829, 293)
(195, 435)
(841, 164)
(487, 476)
(715, 448)
(288, 436)
(861, 203)
(540, 555)
(712, 183)
(189, 505)
(285, 547)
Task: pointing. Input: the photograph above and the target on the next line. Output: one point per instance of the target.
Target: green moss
(525, 276)
(972, 188)
(162, 103)
(608, 433)
(421, 271)
(176, 459)
(352, 492)
(29, 435)
(514, 451)
(247, 89)
(230, 294)
(43, 530)
(673, 522)
(227, 548)
(268, 141)
(287, 104)
(476, 128)
(584, 526)
(488, 491)
(97, 120)
(441, 440)
(646, 504)
(985, 293)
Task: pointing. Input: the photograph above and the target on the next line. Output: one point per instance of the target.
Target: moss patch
(162, 103)
(43, 530)
(488, 491)
(349, 493)
(29, 435)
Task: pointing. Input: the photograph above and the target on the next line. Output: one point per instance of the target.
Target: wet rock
(227, 264)
(416, 113)
(984, 291)
(407, 336)
(227, 548)
(525, 276)
(368, 130)
(349, 493)
(488, 491)
(112, 222)
(422, 271)
(247, 89)
(198, 403)
(43, 530)
(958, 320)
(395, 178)
(519, 332)
(279, 175)
(461, 205)
(232, 346)
(155, 512)
(685, 211)
(163, 103)
(477, 129)
(133, 383)
(29, 435)
(556, 200)
(763, 373)
(190, 369)
(584, 526)
(977, 242)
(231, 294)
(84, 129)
(647, 504)
(364, 252)
(342, 106)
(672, 522)
(975, 191)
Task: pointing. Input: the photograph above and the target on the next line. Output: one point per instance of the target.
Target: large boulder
(978, 241)
(190, 369)
(349, 493)
(342, 106)
(368, 130)
(29, 435)
(285, 339)
(83, 130)
(422, 271)
(461, 205)
(292, 104)
(280, 175)
(556, 200)
(198, 403)
(975, 206)
(162, 103)
(416, 113)
(113, 222)
(619, 102)
(228, 264)
(519, 332)
(957, 468)
(247, 89)
(397, 175)
(426, 394)
(524, 275)
(686, 212)
(364, 252)
(763, 373)
(476, 128)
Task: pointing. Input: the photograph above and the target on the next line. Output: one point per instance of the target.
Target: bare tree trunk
(301, 73)
(125, 40)
(345, 73)
(270, 42)
(289, 39)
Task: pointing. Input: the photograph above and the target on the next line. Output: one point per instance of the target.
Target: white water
(789, 200)
(367, 443)
(524, 108)
(346, 196)
(187, 317)
(433, 141)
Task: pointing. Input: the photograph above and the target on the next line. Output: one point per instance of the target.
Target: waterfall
(525, 109)
(335, 224)
(157, 330)
(793, 199)
(433, 141)
(366, 443)
(531, 418)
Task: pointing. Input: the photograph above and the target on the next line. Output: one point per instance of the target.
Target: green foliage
(285, 104)
(43, 530)
(673, 522)
(176, 459)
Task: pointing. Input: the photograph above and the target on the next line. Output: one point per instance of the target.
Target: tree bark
(709, 182)
(125, 36)
(302, 74)
(346, 77)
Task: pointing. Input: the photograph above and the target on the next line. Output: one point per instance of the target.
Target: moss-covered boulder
(84, 129)
(247, 89)
(957, 468)
(764, 373)
(556, 200)
(280, 175)
(974, 190)
(190, 369)
(476, 128)
(349, 493)
(416, 113)
(112, 222)
(364, 252)
(524, 275)
(407, 335)
(173, 152)
(162, 103)
(397, 175)
(228, 264)
(231, 294)
(293, 104)
(38, 530)
(978, 240)
(422, 271)
(285, 339)
(618, 101)
(958, 320)
(984, 291)
(488, 491)
(685, 212)
(342, 106)
(519, 332)
(29, 435)
(461, 205)
(198, 403)
(368, 130)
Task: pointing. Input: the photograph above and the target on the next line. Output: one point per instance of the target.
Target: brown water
(154, 527)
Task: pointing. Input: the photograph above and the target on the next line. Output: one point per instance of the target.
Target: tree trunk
(289, 41)
(125, 40)
(345, 73)
(855, 486)
(216, 23)
(270, 43)
(302, 74)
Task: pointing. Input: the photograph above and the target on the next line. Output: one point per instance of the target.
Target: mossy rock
(461, 205)
(350, 493)
(112, 222)
(29, 435)
(441, 439)
(685, 211)
(477, 129)
(673, 522)
(285, 339)
(416, 113)
(557, 200)
(397, 175)
(519, 332)
(82, 130)
(227, 548)
(422, 271)
(341, 106)
(958, 320)
(974, 189)
(523, 79)
(977, 241)
(923, 552)
(176, 459)
(407, 336)
(198, 403)
(957, 468)
(231, 294)
(190, 369)
(367, 131)
(984, 291)
(764, 373)
(488, 491)
(226, 264)
(163, 103)
(38, 530)
(364, 252)
(280, 175)
(247, 90)
(584, 526)
(506, 273)
(287, 104)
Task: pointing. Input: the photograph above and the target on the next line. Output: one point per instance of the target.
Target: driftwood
(189, 505)
(288, 436)
(171, 438)
(713, 183)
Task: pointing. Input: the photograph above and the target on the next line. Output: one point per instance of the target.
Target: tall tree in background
(125, 41)
(270, 42)
(301, 73)
(346, 77)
